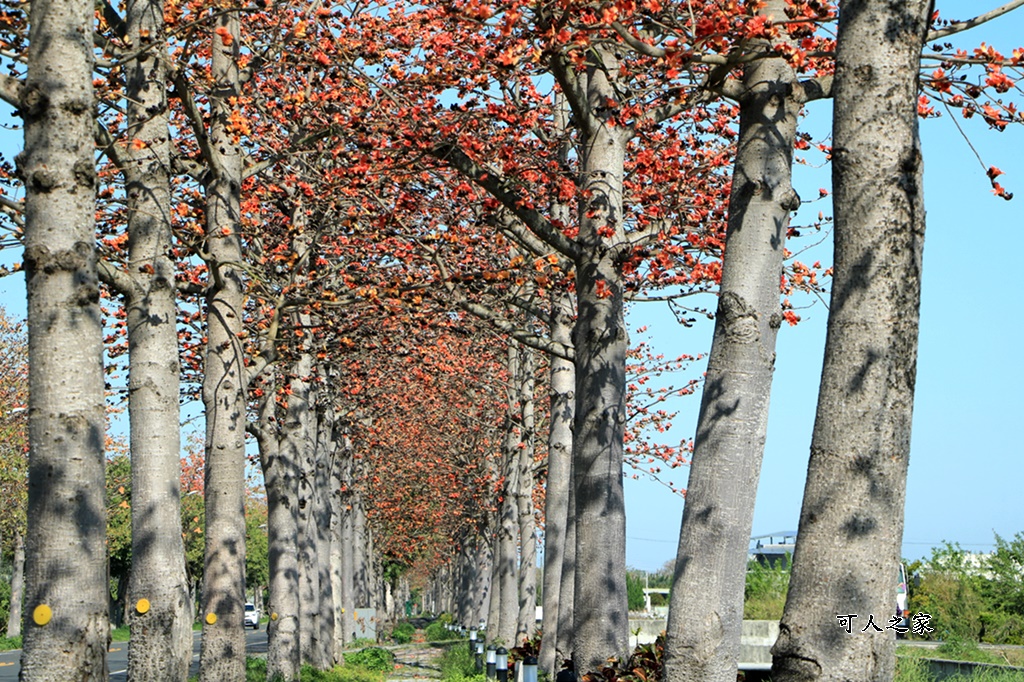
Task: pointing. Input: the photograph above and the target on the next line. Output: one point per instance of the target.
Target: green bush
(8, 643)
(403, 632)
(437, 632)
(765, 590)
(457, 662)
(372, 658)
(361, 643)
(957, 649)
(635, 590)
(341, 673)
(953, 603)
(255, 669)
(1002, 628)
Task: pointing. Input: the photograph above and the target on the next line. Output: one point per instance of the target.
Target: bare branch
(961, 26)
(503, 191)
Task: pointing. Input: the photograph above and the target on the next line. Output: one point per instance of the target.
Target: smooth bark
(161, 635)
(17, 586)
(600, 614)
(556, 501)
(851, 522)
(280, 477)
(706, 614)
(222, 658)
(66, 627)
(527, 619)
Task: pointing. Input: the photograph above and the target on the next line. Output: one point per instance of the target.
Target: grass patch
(8, 643)
(256, 671)
(458, 665)
(372, 658)
(403, 632)
(121, 634)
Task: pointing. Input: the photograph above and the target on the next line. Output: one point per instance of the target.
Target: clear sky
(967, 458)
(966, 467)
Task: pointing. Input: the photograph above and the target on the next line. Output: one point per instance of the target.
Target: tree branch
(961, 26)
(503, 191)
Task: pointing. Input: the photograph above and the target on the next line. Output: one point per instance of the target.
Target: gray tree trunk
(556, 500)
(567, 585)
(161, 632)
(706, 614)
(66, 554)
(527, 619)
(222, 658)
(17, 586)
(280, 477)
(328, 454)
(601, 614)
(851, 523)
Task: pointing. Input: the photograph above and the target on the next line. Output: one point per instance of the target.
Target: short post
(472, 641)
(492, 660)
(530, 669)
(479, 651)
(501, 664)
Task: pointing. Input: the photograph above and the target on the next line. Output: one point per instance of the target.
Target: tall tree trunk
(160, 626)
(601, 614)
(567, 585)
(527, 620)
(223, 651)
(556, 501)
(17, 586)
(326, 462)
(66, 628)
(851, 523)
(506, 540)
(280, 476)
(706, 614)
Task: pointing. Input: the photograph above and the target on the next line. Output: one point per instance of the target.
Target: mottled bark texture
(562, 382)
(158, 591)
(223, 652)
(600, 615)
(706, 615)
(851, 522)
(66, 628)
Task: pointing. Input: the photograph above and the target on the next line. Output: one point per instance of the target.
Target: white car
(252, 616)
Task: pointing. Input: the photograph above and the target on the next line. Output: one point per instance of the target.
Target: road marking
(113, 650)
(8, 663)
(118, 672)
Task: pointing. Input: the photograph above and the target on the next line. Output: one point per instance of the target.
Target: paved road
(117, 659)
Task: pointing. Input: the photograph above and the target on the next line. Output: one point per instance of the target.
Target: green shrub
(403, 632)
(8, 643)
(341, 673)
(255, 669)
(957, 649)
(437, 632)
(953, 602)
(1002, 628)
(372, 658)
(361, 643)
(765, 590)
(458, 663)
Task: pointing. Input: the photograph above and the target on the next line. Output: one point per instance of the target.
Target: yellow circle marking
(142, 606)
(273, 616)
(211, 618)
(42, 614)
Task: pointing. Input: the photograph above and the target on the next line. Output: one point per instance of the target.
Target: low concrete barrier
(755, 646)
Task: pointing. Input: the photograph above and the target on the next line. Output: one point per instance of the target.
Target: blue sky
(966, 464)
(966, 467)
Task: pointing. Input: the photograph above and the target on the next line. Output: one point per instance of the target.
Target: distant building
(774, 548)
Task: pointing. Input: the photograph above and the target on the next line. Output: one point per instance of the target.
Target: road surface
(117, 659)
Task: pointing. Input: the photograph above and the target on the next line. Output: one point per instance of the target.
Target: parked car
(252, 617)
